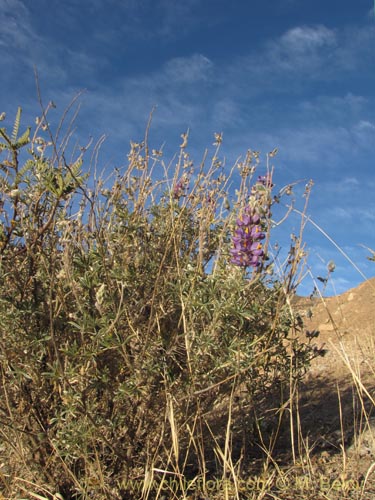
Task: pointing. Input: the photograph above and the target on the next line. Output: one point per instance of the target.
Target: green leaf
(24, 139)
(16, 125)
(4, 134)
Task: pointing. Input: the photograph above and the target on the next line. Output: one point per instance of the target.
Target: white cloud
(340, 213)
(342, 186)
(366, 215)
(188, 69)
(226, 112)
(177, 17)
(349, 182)
(300, 50)
(175, 89)
(307, 39)
(25, 48)
(150, 19)
(300, 57)
(334, 108)
(16, 32)
(365, 125)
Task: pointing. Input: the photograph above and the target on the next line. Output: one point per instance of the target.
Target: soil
(337, 397)
(333, 409)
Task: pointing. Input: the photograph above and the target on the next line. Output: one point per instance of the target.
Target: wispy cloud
(307, 91)
(302, 49)
(144, 19)
(188, 70)
(16, 30)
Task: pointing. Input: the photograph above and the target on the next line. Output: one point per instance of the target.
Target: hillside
(336, 399)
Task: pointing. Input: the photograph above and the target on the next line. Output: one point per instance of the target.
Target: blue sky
(298, 75)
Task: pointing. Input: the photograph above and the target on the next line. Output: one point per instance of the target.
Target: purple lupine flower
(257, 233)
(180, 188)
(265, 180)
(247, 251)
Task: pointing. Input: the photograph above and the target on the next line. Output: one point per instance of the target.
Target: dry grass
(139, 362)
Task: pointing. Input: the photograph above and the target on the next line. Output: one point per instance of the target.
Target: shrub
(132, 313)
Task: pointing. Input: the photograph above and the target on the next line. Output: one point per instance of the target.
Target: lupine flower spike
(247, 248)
(247, 238)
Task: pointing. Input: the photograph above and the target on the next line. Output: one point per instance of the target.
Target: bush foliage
(126, 330)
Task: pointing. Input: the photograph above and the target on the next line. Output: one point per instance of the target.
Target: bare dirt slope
(337, 398)
(347, 328)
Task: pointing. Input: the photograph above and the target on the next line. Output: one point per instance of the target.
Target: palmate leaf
(74, 177)
(3, 134)
(23, 140)
(16, 125)
(74, 170)
(21, 176)
(15, 142)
